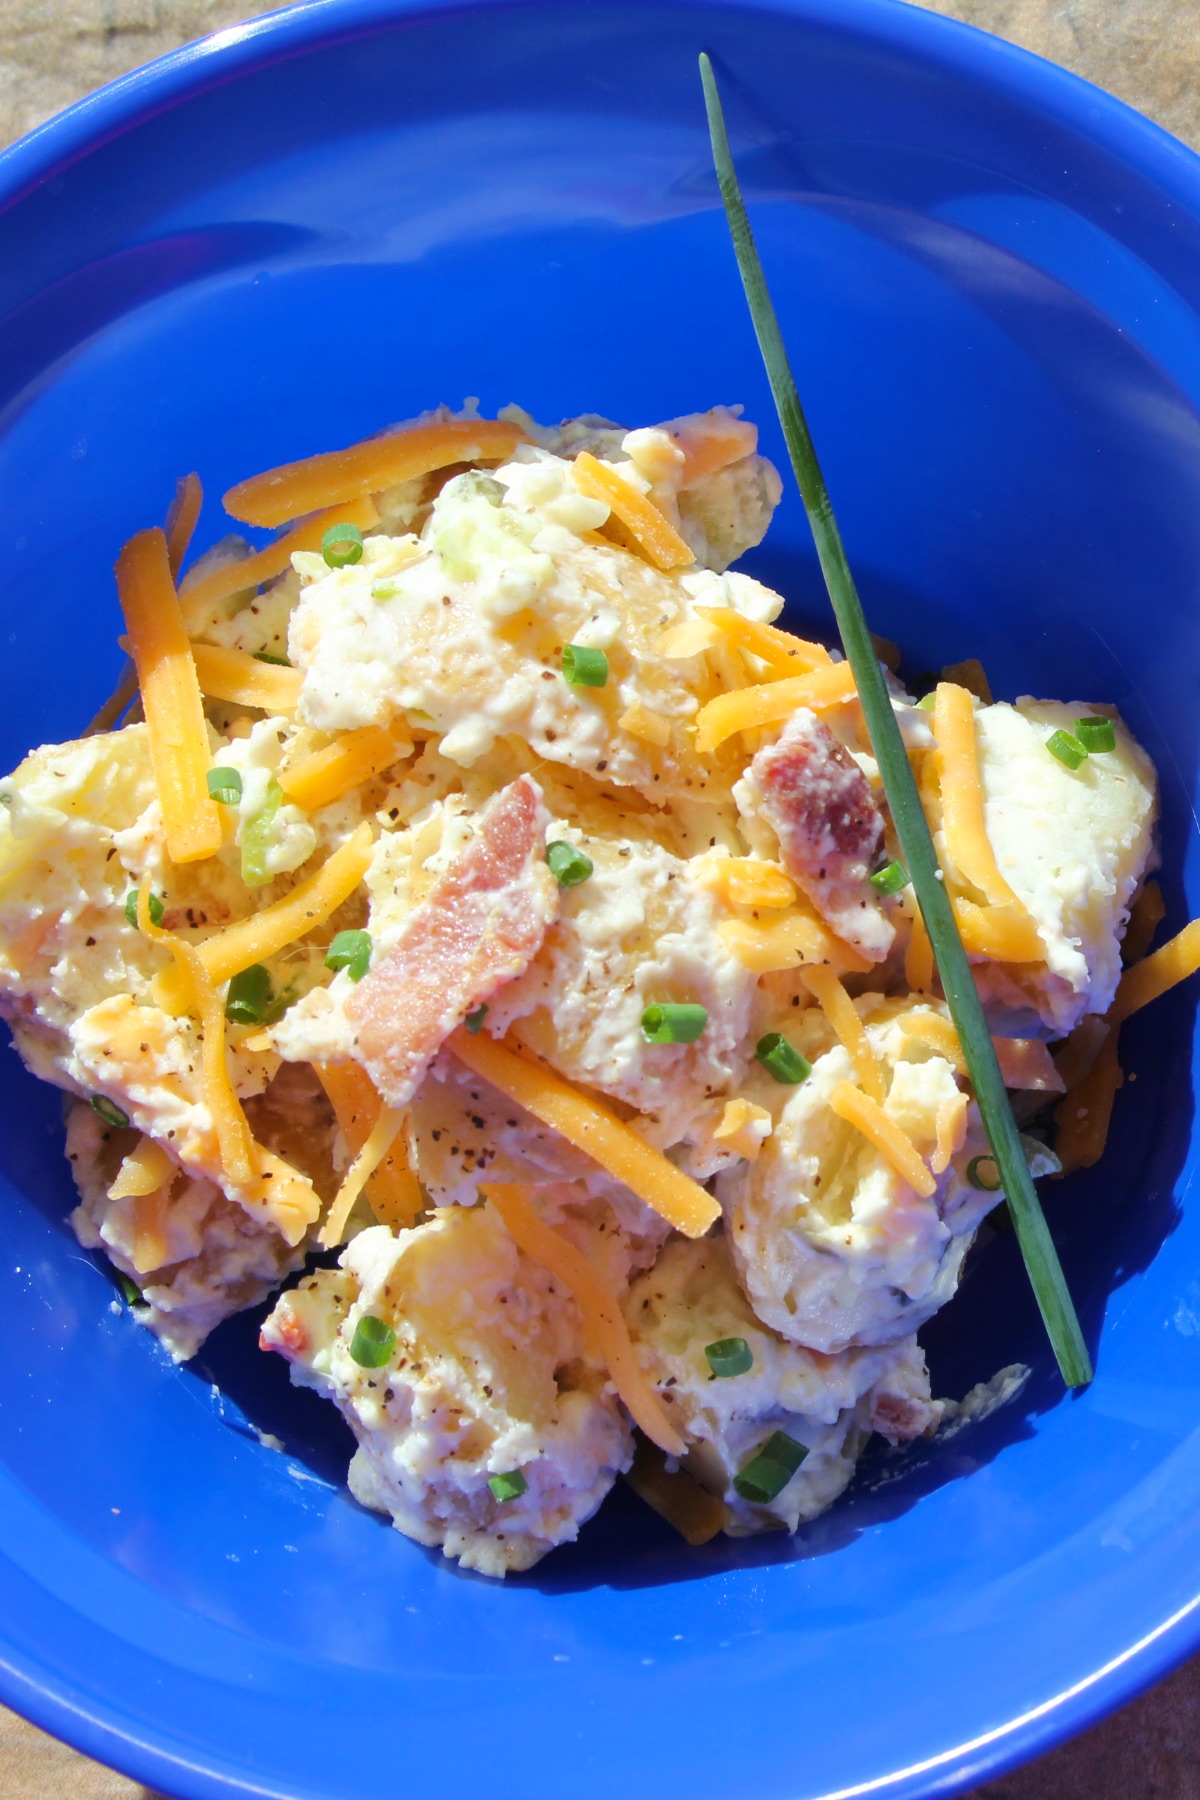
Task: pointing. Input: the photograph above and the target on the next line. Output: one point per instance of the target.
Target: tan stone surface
(1146, 51)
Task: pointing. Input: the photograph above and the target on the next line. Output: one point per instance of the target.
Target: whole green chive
(110, 1112)
(766, 1475)
(372, 1343)
(248, 998)
(342, 545)
(729, 1356)
(224, 786)
(904, 802)
(781, 1059)
(350, 950)
(583, 667)
(1068, 750)
(131, 908)
(508, 1487)
(1096, 734)
(982, 1173)
(890, 880)
(568, 865)
(674, 1022)
(268, 656)
(474, 1020)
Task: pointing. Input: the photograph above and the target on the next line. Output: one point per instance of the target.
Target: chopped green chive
(583, 667)
(131, 1293)
(982, 1173)
(350, 950)
(256, 838)
(674, 1022)
(508, 1487)
(729, 1356)
(248, 998)
(766, 1475)
(268, 656)
(131, 908)
(568, 865)
(110, 1112)
(1096, 734)
(342, 545)
(474, 1020)
(372, 1343)
(900, 788)
(224, 786)
(781, 1059)
(927, 702)
(890, 880)
(1069, 751)
(387, 587)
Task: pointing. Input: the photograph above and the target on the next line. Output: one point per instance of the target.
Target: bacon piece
(480, 926)
(899, 1417)
(819, 804)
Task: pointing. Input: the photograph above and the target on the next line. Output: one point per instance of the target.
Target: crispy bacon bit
(898, 1417)
(819, 804)
(480, 926)
(287, 1334)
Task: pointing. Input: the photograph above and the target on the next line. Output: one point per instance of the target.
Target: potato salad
(476, 927)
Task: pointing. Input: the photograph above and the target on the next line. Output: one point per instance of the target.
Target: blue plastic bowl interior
(989, 275)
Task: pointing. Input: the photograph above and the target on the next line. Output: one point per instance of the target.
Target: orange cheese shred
(782, 653)
(1004, 933)
(175, 722)
(265, 933)
(143, 1171)
(1084, 1113)
(786, 942)
(650, 529)
(962, 795)
(1145, 916)
(379, 1142)
(950, 1125)
(771, 702)
(867, 1116)
(182, 515)
(592, 1128)
(842, 1014)
(1157, 973)
(745, 881)
(243, 680)
(675, 1495)
(317, 483)
(351, 759)
(200, 596)
(603, 1323)
(393, 1190)
(918, 955)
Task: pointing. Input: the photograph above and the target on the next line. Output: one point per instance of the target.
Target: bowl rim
(1057, 93)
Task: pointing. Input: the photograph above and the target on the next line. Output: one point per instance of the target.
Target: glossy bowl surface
(989, 275)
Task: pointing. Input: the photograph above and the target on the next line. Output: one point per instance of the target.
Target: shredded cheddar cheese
(650, 529)
(782, 653)
(1145, 916)
(867, 1116)
(358, 756)
(1157, 973)
(842, 1014)
(171, 696)
(768, 704)
(393, 1191)
(950, 1125)
(182, 515)
(691, 638)
(786, 942)
(963, 819)
(592, 1128)
(918, 953)
(240, 678)
(198, 597)
(745, 881)
(640, 721)
(266, 933)
(1084, 1113)
(1004, 933)
(675, 1495)
(378, 1143)
(743, 1128)
(603, 1323)
(318, 483)
(143, 1171)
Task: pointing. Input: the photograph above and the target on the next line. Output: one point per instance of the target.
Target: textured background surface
(1148, 52)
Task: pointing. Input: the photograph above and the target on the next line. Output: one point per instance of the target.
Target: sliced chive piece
(248, 997)
(912, 829)
(372, 1343)
(474, 1020)
(224, 786)
(350, 950)
(781, 1059)
(981, 1170)
(568, 865)
(1096, 734)
(1069, 751)
(766, 1475)
(131, 1293)
(342, 545)
(890, 880)
(729, 1356)
(256, 838)
(674, 1022)
(110, 1112)
(584, 667)
(131, 908)
(268, 656)
(508, 1487)
(387, 587)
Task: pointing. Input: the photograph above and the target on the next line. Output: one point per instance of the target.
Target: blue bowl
(989, 275)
